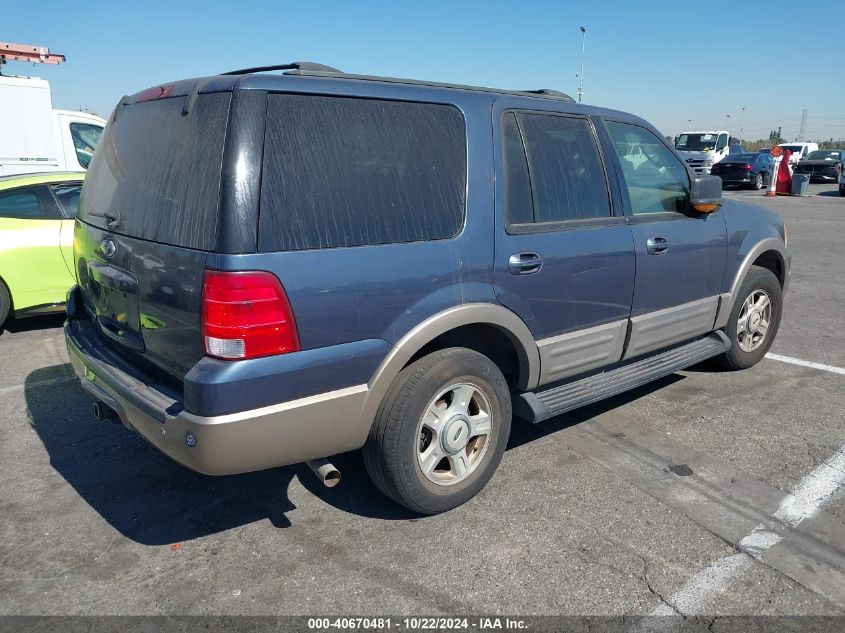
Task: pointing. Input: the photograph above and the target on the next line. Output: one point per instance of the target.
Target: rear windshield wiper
(110, 218)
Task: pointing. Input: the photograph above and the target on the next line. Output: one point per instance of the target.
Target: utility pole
(581, 72)
(741, 117)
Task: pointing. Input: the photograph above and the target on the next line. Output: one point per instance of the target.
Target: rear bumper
(736, 180)
(276, 435)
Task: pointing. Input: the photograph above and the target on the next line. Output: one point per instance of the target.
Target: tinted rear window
(350, 172)
(159, 171)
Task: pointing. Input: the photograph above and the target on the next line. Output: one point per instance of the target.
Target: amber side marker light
(705, 208)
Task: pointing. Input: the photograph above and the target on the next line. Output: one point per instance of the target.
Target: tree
(775, 137)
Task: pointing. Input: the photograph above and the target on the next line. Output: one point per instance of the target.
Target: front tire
(440, 431)
(5, 303)
(754, 319)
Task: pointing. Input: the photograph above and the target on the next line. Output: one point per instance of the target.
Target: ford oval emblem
(108, 247)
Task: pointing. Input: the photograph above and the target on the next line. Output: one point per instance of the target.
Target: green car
(36, 241)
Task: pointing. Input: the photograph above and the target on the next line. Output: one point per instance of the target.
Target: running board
(541, 405)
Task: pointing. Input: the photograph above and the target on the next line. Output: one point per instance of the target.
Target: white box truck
(703, 149)
(34, 137)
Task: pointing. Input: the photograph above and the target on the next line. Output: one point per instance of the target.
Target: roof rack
(306, 66)
(312, 69)
(25, 53)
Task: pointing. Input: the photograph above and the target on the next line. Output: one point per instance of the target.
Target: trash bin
(800, 182)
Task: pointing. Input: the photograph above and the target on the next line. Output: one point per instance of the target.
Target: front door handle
(525, 263)
(657, 245)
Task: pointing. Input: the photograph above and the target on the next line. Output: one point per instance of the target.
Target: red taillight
(246, 314)
(746, 167)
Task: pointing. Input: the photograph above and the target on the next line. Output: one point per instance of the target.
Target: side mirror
(706, 194)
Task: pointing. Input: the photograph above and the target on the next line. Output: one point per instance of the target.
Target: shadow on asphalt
(524, 433)
(33, 323)
(154, 501)
(830, 194)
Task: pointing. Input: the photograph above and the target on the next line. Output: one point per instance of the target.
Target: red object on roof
(26, 53)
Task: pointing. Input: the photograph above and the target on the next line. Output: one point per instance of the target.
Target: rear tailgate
(148, 218)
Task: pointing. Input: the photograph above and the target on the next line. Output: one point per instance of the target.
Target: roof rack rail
(307, 66)
(547, 92)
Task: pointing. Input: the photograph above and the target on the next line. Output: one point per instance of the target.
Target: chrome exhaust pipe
(325, 471)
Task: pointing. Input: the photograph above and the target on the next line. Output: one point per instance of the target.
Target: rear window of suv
(350, 172)
(158, 171)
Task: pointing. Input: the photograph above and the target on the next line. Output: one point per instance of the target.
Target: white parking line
(805, 363)
(812, 492)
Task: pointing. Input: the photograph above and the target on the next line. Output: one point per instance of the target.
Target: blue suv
(279, 267)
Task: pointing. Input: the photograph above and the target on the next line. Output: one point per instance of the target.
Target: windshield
(824, 155)
(696, 142)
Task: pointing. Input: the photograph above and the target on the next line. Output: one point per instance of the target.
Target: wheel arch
(768, 253)
(487, 317)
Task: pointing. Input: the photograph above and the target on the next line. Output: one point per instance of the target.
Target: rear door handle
(525, 263)
(657, 245)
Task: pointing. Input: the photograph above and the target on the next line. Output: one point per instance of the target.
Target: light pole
(581, 72)
(741, 117)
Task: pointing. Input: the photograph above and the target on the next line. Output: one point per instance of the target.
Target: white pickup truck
(703, 149)
(36, 138)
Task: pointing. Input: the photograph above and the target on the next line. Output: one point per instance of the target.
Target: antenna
(803, 125)
(581, 72)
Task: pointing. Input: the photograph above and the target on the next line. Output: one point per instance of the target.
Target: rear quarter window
(350, 172)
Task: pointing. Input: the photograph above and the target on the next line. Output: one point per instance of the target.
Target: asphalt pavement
(693, 496)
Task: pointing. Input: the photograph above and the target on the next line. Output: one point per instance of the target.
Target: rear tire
(5, 303)
(440, 431)
(754, 319)
(758, 182)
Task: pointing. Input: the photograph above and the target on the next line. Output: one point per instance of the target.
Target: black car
(750, 170)
(823, 165)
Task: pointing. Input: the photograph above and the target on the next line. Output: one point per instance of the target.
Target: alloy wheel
(454, 434)
(754, 320)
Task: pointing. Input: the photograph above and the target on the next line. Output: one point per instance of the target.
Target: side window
(656, 179)
(518, 204)
(85, 138)
(348, 172)
(28, 203)
(566, 173)
(722, 142)
(68, 197)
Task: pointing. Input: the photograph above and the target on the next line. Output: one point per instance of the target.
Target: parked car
(823, 165)
(748, 170)
(36, 242)
(428, 260)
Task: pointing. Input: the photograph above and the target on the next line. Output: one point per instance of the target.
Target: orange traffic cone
(784, 181)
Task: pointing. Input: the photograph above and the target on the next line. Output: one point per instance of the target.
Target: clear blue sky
(666, 61)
